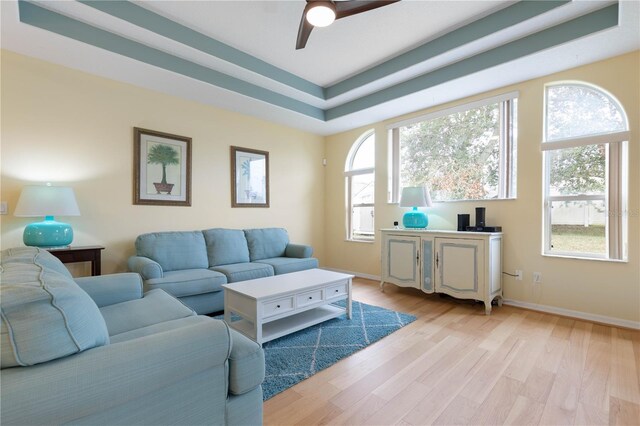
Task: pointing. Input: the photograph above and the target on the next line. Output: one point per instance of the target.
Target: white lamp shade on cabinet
(415, 196)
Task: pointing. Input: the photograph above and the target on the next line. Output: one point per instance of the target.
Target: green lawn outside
(578, 238)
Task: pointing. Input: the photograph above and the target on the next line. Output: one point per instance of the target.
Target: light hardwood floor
(454, 365)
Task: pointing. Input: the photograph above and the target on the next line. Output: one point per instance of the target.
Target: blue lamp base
(415, 219)
(48, 233)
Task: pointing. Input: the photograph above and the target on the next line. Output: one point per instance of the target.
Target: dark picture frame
(249, 177)
(161, 168)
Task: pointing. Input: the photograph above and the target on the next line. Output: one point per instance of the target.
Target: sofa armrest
(298, 250)
(246, 364)
(74, 387)
(146, 267)
(110, 289)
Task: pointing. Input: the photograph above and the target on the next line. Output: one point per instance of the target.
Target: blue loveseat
(97, 351)
(193, 265)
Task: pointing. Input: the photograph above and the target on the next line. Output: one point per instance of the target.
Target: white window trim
(600, 139)
(393, 183)
(350, 206)
(452, 110)
(354, 149)
(360, 171)
(547, 240)
(615, 191)
(349, 174)
(504, 184)
(584, 84)
(612, 196)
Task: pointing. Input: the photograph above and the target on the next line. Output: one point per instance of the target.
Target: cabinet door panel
(495, 275)
(458, 267)
(427, 265)
(402, 264)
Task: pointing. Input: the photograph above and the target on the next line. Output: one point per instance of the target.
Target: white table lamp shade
(415, 196)
(47, 201)
(40, 200)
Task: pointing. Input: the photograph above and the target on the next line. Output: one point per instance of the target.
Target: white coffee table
(275, 306)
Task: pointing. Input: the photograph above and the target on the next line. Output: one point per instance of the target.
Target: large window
(359, 172)
(463, 153)
(585, 172)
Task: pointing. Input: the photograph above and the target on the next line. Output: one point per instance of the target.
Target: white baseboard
(535, 307)
(574, 314)
(357, 274)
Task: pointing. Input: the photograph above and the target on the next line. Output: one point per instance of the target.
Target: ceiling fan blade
(353, 7)
(303, 31)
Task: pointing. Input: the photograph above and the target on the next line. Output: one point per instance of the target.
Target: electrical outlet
(537, 277)
(4, 209)
(518, 274)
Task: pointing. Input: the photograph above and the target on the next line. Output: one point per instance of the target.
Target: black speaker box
(463, 222)
(480, 216)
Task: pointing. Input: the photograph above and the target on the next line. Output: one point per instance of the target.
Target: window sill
(435, 203)
(597, 259)
(360, 241)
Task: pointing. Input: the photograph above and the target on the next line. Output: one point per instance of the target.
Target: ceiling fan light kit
(321, 14)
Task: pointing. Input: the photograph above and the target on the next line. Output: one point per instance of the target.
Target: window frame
(349, 173)
(507, 179)
(616, 186)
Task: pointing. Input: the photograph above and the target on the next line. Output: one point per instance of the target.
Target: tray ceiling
(240, 55)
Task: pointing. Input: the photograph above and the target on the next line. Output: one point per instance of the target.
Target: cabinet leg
(382, 286)
(500, 301)
(487, 308)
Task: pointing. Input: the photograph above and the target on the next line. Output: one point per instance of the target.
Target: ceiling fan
(321, 13)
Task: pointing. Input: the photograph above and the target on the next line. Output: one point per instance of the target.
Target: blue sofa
(193, 265)
(98, 351)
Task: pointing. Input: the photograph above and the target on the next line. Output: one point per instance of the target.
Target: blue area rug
(293, 358)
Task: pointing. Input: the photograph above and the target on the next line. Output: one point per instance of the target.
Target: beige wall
(75, 129)
(595, 287)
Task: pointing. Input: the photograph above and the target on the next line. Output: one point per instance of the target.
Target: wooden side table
(74, 254)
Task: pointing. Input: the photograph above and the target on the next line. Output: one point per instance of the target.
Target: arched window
(585, 172)
(360, 180)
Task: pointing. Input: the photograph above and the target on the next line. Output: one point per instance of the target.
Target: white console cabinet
(466, 265)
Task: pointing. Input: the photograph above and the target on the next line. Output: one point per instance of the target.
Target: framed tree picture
(249, 177)
(161, 168)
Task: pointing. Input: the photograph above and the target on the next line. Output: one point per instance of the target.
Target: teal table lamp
(47, 201)
(415, 196)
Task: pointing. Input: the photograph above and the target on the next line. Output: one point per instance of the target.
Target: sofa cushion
(155, 307)
(245, 271)
(205, 303)
(113, 288)
(284, 265)
(266, 243)
(188, 282)
(45, 315)
(226, 246)
(159, 328)
(246, 364)
(26, 255)
(174, 250)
